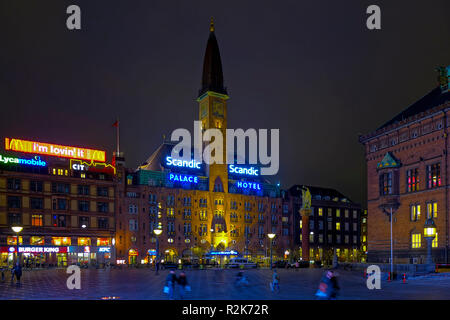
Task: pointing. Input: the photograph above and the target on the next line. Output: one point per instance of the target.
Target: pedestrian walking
(334, 286)
(275, 284)
(18, 272)
(3, 275)
(183, 285)
(171, 280)
(327, 287)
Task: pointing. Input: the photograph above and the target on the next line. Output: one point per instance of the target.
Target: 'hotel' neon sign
(248, 185)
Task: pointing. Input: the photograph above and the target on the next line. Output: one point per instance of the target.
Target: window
(412, 180)
(355, 214)
(152, 198)
(170, 200)
(83, 206)
(203, 203)
(415, 212)
(36, 203)
(320, 212)
(187, 228)
(434, 175)
(233, 205)
(170, 226)
(61, 241)
(347, 226)
(102, 207)
(36, 186)
(432, 210)
(36, 220)
(285, 208)
(329, 212)
(386, 183)
(416, 239)
(338, 226)
(187, 214)
(187, 201)
(102, 191)
(170, 212)
(346, 214)
(83, 190)
(338, 213)
(59, 220)
(434, 244)
(59, 204)
(60, 188)
(14, 219)
(14, 202)
(132, 208)
(346, 239)
(37, 241)
(14, 184)
(84, 222)
(338, 239)
(83, 241)
(102, 223)
(311, 237)
(133, 224)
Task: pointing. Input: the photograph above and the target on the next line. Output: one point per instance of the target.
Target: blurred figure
(275, 284)
(17, 272)
(183, 284)
(171, 280)
(241, 279)
(328, 288)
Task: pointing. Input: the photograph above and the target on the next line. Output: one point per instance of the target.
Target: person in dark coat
(18, 272)
(182, 282)
(334, 287)
(171, 280)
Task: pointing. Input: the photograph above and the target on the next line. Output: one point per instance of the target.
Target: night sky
(310, 68)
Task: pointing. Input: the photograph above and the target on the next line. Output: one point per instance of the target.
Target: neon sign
(248, 185)
(104, 249)
(54, 150)
(80, 165)
(31, 162)
(183, 163)
(183, 178)
(227, 253)
(241, 170)
(43, 249)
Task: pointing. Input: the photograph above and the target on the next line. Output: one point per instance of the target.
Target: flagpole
(117, 138)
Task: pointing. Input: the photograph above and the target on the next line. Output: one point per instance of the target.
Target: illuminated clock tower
(213, 108)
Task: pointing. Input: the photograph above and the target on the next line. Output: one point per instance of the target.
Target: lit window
(12, 240)
(82, 241)
(432, 210)
(338, 213)
(338, 226)
(36, 220)
(412, 180)
(416, 240)
(61, 241)
(434, 244)
(36, 241)
(415, 212)
(320, 212)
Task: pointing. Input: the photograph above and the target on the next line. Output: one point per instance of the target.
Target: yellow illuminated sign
(54, 150)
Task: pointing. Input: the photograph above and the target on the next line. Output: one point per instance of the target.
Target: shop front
(35, 256)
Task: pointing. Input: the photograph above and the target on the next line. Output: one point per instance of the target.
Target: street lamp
(17, 230)
(429, 234)
(271, 236)
(157, 232)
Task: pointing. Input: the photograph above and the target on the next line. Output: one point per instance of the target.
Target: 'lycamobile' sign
(30, 162)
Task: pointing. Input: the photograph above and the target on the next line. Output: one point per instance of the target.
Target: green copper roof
(389, 161)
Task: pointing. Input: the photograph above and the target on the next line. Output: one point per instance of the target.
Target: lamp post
(17, 230)
(429, 234)
(157, 232)
(271, 236)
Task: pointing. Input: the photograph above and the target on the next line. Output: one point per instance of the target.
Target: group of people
(171, 282)
(16, 272)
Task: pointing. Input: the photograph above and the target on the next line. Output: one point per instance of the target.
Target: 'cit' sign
(54, 150)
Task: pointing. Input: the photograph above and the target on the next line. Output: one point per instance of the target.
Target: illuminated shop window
(61, 241)
(434, 175)
(412, 180)
(103, 242)
(415, 212)
(12, 240)
(37, 241)
(36, 220)
(82, 241)
(416, 240)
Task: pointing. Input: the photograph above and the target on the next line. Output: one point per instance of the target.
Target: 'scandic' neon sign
(241, 170)
(183, 163)
(31, 162)
(183, 178)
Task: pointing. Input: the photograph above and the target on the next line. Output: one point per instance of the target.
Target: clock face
(218, 109)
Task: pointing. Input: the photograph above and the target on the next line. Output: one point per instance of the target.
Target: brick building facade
(407, 172)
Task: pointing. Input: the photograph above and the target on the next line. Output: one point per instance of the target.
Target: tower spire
(211, 25)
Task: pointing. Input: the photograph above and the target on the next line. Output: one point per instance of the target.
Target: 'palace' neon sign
(248, 185)
(31, 162)
(54, 150)
(241, 170)
(183, 163)
(183, 178)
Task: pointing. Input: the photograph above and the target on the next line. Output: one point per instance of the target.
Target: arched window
(218, 186)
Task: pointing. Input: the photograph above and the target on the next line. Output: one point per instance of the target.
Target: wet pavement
(214, 284)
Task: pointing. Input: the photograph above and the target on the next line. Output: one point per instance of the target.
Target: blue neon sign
(193, 164)
(224, 253)
(244, 171)
(37, 162)
(248, 185)
(183, 178)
